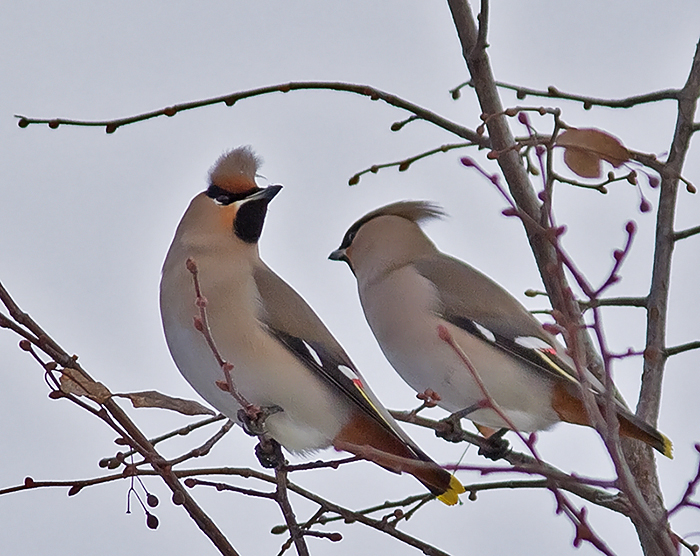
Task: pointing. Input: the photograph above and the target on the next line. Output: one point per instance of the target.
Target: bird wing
(292, 321)
(476, 304)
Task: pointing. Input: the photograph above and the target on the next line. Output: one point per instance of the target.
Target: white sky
(86, 219)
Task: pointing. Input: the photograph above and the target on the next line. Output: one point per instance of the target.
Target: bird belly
(264, 371)
(408, 335)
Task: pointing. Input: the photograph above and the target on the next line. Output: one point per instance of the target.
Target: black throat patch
(249, 220)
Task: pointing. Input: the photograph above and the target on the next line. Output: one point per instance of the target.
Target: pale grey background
(86, 218)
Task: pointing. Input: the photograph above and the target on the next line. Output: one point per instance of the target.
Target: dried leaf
(76, 383)
(584, 149)
(151, 398)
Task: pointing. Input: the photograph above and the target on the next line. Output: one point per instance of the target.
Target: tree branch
(406, 162)
(230, 99)
(614, 302)
(641, 459)
(686, 233)
(111, 408)
(668, 352)
(588, 102)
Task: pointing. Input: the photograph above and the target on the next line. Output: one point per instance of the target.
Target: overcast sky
(86, 219)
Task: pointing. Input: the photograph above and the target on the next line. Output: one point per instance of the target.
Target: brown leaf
(76, 383)
(151, 398)
(585, 148)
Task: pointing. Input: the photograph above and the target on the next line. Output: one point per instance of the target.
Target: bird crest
(235, 170)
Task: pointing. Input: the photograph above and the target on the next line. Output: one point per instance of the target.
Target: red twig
(201, 323)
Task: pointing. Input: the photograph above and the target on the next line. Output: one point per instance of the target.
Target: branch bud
(151, 521)
(191, 265)
(75, 489)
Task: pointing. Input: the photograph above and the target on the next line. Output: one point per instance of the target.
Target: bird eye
(349, 237)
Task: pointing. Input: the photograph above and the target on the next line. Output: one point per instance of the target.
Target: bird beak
(338, 255)
(266, 194)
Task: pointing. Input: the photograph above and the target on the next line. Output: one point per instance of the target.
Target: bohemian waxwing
(283, 357)
(408, 289)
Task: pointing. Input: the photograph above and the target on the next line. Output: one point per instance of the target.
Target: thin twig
(282, 499)
(201, 323)
(347, 514)
(205, 448)
(182, 431)
(675, 350)
(614, 302)
(229, 99)
(405, 164)
(552, 92)
(686, 233)
(112, 414)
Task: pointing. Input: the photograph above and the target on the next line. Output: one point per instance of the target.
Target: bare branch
(675, 350)
(345, 513)
(483, 19)
(283, 501)
(110, 413)
(686, 233)
(614, 302)
(652, 377)
(406, 162)
(205, 448)
(588, 102)
(230, 99)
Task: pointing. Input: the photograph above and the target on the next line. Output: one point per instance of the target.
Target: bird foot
(269, 453)
(452, 430)
(497, 448)
(252, 419)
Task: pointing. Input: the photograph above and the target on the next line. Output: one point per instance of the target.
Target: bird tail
(634, 427)
(570, 408)
(367, 439)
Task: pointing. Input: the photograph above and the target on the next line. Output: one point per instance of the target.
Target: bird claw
(452, 430)
(497, 448)
(269, 453)
(252, 419)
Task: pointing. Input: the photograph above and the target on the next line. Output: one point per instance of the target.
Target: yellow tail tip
(667, 447)
(451, 495)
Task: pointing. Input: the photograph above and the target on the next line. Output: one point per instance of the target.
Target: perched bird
(415, 298)
(282, 359)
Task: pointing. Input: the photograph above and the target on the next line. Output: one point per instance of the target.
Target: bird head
(387, 237)
(240, 205)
